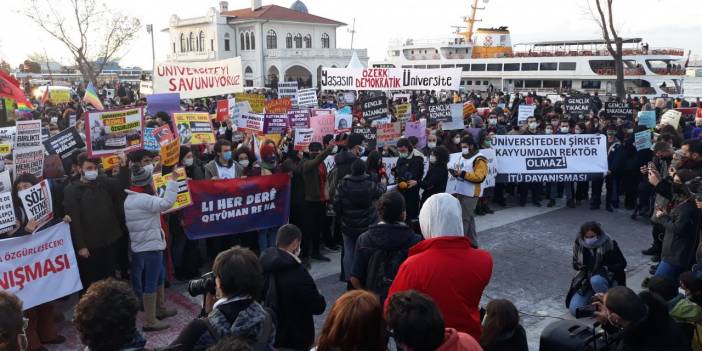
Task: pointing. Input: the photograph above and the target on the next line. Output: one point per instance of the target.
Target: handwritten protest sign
(199, 79)
(49, 266)
(671, 118)
(577, 106)
(524, 112)
(322, 123)
(37, 204)
(389, 133)
(642, 140)
(109, 132)
(183, 199)
(7, 212)
(278, 105)
(194, 128)
(302, 138)
(374, 108)
(648, 119)
(440, 113)
(619, 110)
(370, 135)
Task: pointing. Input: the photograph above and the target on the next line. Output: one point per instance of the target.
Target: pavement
(532, 253)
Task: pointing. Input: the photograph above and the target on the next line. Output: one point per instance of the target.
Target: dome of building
(299, 6)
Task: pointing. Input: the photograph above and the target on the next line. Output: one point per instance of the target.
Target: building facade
(275, 43)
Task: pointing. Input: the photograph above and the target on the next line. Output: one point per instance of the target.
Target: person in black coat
(353, 204)
(295, 298)
(501, 328)
(437, 175)
(408, 172)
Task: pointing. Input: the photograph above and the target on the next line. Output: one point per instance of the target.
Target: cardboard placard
(194, 128)
(183, 199)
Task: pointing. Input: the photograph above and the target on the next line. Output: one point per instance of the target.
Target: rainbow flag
(91, 97)
(10, 88)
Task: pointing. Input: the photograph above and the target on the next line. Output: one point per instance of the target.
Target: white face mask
(149, 168)
(564, 130)
(465, 150)
(335, 149)
(549, 131)
(244, 163)
(578, 131)
(492, 121)
(533, 125)
(431, 144)
(432, 159)
(188, 162)
(90, 175)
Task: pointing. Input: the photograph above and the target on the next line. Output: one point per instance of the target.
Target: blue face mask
(590, 241)
(227, 155)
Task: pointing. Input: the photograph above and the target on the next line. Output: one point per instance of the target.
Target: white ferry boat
(489, 60)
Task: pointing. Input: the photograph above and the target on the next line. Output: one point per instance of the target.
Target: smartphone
(651, 165)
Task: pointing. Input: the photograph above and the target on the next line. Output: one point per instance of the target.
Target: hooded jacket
(680, 232)
(457, 341)
(446, 267)
(298, 298)
(353, 202)
(142, 213)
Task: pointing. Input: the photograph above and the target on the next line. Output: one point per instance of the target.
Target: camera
(203, 285)
(586, 311)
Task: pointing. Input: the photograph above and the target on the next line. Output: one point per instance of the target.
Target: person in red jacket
(446, 267)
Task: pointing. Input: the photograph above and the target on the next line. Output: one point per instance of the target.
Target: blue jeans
(147, 272)
(668, 271)
(266, 238)
(349, 254)
(598, 283)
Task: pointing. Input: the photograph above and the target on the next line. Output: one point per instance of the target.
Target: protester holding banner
(95, 204)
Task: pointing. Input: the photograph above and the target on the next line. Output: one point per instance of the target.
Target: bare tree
(92, 33)
(613, 42)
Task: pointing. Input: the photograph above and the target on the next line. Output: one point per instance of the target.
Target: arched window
(248, 41)
(248, 70)
(201, 41)
(298, 41)
(253, 41)
(182, 42)
(325, 40)
(242, 41)
(191, 42)
(271, 40)
(308, 41)
(288, 41)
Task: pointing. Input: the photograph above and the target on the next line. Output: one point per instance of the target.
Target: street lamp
(150, 30)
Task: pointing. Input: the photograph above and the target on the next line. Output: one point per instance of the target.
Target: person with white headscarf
(445, 266)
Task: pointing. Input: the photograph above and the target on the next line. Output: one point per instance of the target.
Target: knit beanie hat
(140, 177)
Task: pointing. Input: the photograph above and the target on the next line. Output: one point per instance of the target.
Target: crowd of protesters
(411, 257)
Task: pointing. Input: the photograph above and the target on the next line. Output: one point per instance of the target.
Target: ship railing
(627, 71)
(626, 52)
(669, 71)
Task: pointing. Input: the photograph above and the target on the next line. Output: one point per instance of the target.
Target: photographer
(641, 321)
(236, 280)
(600, 264)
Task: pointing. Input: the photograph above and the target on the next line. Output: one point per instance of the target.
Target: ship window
(549, 66)
(485, 82)
(412, 52)
(519, 83)
(532, 84)
(511, 67)
(416, 66)
(408, 66)
(591, 84)
(464, 67)
(566, 66)
(477, 67)
(469, 82)
(530, 66)
(447, 66)
(552, 84)
(494, 67)
(477, 82)
(433, 66)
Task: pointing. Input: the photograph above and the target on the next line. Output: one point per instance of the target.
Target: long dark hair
(374, 161)
(502, 317)
(442, 156)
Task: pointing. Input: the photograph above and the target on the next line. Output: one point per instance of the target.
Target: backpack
(382, 269)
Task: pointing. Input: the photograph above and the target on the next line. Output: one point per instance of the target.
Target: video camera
(203, 285)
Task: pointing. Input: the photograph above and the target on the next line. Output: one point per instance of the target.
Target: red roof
(278, 13)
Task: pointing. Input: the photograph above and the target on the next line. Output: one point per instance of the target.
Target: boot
(161, 311)
(150, 322)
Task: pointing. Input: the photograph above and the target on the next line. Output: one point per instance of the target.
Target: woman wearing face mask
(600, 265)
(408, 172)
(434, 181)
(243, 156)
(452, 141)
(680, 220)
(142, 213)
(431, 145)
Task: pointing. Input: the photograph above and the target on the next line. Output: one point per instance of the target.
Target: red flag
(9, 89)
(46, 97)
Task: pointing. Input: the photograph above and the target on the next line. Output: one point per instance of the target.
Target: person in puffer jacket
(142, 210)
(353, 203)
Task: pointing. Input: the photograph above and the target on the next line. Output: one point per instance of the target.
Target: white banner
(492, 168)
(7, 212)
(550, 158)
(307, 97)
(288, 90)
(390, 79)
(41, 267)
(525, 111)
(199, 79)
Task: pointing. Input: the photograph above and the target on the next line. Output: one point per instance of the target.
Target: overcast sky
(669, 23)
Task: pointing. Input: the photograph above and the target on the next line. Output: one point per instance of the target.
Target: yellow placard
(170, 153)
(183, 199)
(257, 101)
(60, 96)
(110, 162)
(5, 149)
(194, 128)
